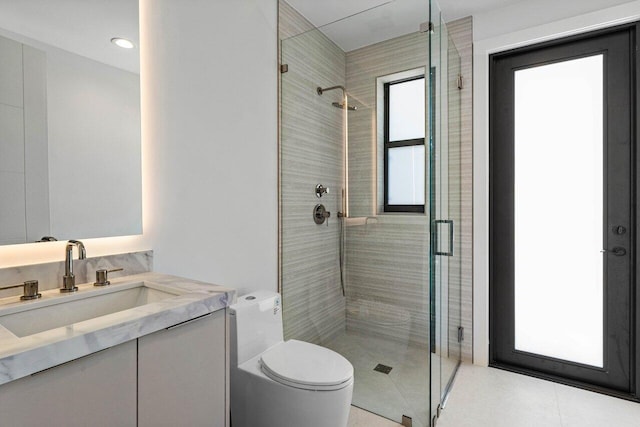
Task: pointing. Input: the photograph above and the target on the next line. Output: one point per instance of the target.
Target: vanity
(148, 350)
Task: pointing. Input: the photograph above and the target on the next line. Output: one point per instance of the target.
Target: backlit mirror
(70, 161)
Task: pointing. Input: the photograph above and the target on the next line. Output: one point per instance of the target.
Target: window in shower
(404, 149)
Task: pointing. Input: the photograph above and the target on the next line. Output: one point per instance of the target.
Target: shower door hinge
(284, 68)
(460, 82)
(460, 334)
(434, 419)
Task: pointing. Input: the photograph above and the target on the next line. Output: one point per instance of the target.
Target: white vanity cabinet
(174, 377)
(95, 390)
(148, 350)
(182, 374)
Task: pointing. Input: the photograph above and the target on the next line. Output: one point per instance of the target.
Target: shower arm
(326, 89)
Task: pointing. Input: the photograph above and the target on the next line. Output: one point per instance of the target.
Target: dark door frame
(634, 31)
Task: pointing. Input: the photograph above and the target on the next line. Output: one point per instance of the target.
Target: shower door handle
(436, 232)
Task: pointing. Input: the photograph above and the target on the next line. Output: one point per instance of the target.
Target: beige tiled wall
(387, 266)
(311, 153)
(387, 257)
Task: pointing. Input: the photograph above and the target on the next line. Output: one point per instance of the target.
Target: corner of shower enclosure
(354, 278)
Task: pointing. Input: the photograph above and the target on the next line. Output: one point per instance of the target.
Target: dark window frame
(394, 144)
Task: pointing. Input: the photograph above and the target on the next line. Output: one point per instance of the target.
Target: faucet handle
(30, 289)
(102, 276)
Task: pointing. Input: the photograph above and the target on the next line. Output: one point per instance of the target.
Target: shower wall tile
(311, 153)
(387, 259)
(377, 270)
(290, 22)
(387, 271)
(461, 32)
(387, 279)
(364, 66)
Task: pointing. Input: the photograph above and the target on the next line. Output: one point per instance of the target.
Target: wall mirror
(70, 152)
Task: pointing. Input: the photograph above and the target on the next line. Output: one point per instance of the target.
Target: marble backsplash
(49, 275)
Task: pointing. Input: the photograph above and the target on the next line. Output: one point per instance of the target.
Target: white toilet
(277, 383)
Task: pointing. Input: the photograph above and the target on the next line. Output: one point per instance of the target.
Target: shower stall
(371, 199)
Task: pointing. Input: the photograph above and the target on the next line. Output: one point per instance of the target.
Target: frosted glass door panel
(558, 216)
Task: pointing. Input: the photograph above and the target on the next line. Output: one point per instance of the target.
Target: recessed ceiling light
(123, 43)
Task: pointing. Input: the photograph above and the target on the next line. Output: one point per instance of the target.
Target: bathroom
(210, 84)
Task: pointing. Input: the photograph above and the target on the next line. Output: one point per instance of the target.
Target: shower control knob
(321, 190)
(320, 214)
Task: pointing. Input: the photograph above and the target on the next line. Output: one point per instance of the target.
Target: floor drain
(383, 368)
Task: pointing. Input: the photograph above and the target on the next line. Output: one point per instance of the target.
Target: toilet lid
(305, 365)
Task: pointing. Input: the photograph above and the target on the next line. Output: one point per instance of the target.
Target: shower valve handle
(321, 214)
(321, 190)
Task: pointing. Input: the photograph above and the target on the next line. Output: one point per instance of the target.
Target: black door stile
(618, 376)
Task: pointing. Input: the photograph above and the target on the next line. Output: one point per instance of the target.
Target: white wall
(209, 116)
(498, 28)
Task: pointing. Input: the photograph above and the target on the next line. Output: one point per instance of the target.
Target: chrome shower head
(341, 106)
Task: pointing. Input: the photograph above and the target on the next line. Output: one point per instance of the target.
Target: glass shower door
(445, 212)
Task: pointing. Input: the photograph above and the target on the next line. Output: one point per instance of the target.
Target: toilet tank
(256, 325)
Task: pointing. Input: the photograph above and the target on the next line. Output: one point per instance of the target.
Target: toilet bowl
(277, 383)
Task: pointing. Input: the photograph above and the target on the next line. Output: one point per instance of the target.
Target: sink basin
(65, 310)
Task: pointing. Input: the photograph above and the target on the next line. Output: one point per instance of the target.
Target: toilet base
(258, 401)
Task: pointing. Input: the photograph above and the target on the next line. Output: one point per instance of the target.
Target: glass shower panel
(360, 283)
(451, 294)
(312, 132)
(445, 211)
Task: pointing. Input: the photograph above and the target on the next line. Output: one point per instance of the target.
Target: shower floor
(403, 391)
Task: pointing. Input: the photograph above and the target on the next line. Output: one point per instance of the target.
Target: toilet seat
(306, 366)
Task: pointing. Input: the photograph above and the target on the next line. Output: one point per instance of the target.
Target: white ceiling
(87, 26)
(384, 19)
(84, 27)
(372, 21)
(324, 12)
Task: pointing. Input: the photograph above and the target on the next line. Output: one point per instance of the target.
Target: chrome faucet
(69, 280)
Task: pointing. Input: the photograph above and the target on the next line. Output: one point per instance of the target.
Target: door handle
(436, 232)
(617, 251)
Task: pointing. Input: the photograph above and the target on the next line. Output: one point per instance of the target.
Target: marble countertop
(22, 356)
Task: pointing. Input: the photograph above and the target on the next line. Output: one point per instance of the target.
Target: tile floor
(488, 397)
(361, 418)
(404, 391)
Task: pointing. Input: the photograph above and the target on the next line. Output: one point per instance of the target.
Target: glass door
(445, 212)
(562, 136)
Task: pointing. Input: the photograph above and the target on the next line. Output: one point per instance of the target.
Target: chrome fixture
(321, 214)
(321, 190)
(102, 276)
(30, 289)
(320, 90)
(69, 280)
(341, 106)
(47, 239)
